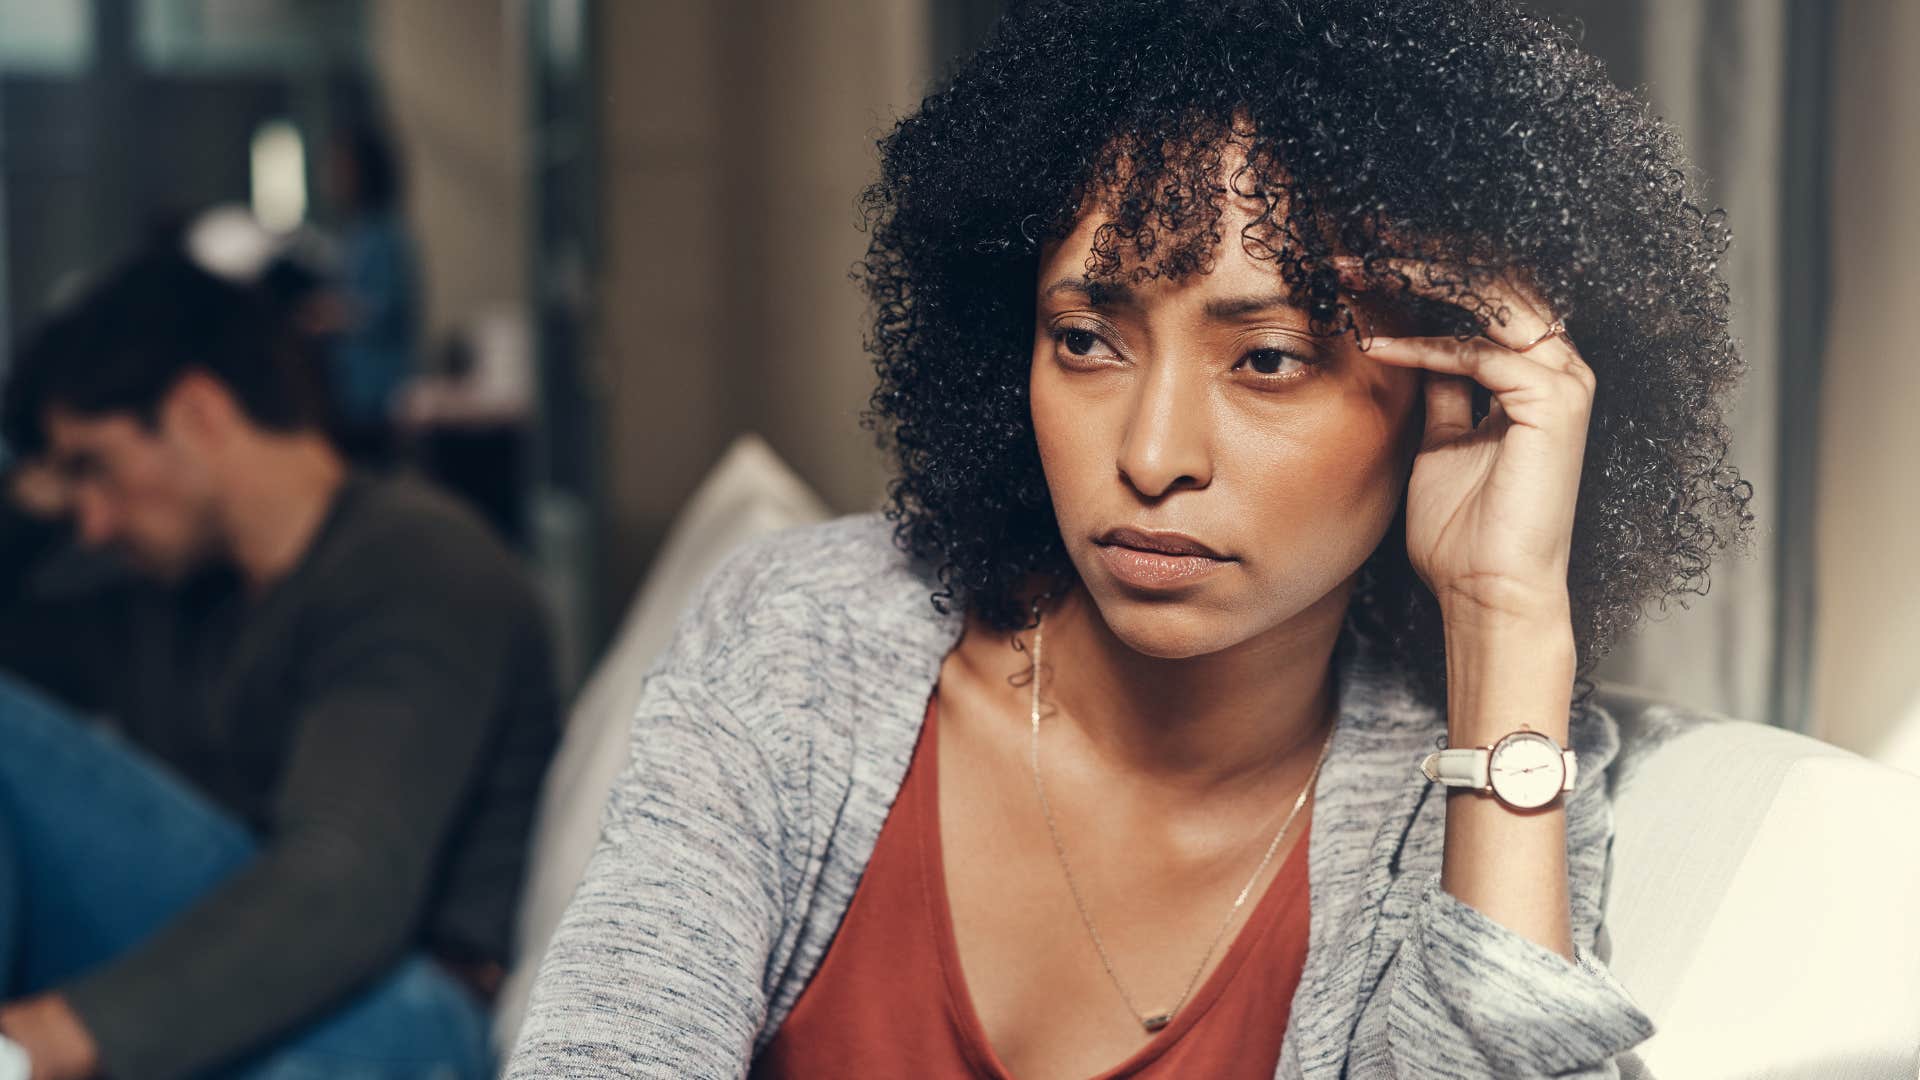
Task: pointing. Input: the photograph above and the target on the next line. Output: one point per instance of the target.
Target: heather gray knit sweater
(768, 746)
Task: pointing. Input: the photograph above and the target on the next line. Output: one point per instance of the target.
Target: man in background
(300, 841)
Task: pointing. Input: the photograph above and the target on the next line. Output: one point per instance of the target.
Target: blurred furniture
(468, 423)
(1764, 900)
(1763, 904)
(750, 491)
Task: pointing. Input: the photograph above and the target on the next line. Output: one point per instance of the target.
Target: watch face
(1526, 769)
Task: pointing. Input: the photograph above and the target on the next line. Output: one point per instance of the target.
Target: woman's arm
(1503, 672)
(1466, 996)
(658, 967)
(1496, 976)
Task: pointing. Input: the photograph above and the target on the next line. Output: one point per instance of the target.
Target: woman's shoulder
(851, 553)
(806, 623)
(807, 580)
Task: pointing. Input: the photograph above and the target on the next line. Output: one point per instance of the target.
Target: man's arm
(399, 701)
(64, 640)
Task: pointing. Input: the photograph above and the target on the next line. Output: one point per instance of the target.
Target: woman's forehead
(1236, 260)
(1232, 284)
(1240, 280)
(1207, 201)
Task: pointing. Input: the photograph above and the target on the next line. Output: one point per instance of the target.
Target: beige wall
(659, 366)
(830, 78)
(735, 139)
(1867, 644)
(451, 76)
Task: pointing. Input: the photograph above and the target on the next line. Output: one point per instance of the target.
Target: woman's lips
(1154, 569)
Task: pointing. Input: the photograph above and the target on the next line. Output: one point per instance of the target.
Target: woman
(1279, 392)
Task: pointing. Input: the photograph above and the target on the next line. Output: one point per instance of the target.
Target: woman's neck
(1204, 723)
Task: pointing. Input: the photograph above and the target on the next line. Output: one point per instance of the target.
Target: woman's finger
(1522, 315)
(1499, 369)
(1449, 406)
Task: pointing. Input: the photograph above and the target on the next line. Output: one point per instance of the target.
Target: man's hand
(38, 490)
(56, 1042)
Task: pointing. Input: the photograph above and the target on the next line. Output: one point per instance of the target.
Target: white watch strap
(1462, 766)
(1466, 766)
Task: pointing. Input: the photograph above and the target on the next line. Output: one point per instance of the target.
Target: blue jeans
(100, 846)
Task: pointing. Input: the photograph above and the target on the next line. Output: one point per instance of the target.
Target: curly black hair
(1463, 133)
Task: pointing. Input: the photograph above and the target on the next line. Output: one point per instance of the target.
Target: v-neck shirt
(891, 999)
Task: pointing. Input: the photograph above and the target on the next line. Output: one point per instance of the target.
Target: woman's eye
(1079, 342)
(1075, 343)
(1290, 365)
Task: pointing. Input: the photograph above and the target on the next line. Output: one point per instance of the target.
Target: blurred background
(609, 236)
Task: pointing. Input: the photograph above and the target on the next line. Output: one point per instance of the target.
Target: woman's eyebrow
(1239, 307)
(1104, 294)
(1097, 293)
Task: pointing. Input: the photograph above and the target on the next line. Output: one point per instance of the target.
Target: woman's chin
(1162, 627)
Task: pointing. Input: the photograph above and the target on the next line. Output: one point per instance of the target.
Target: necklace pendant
(1156, 1022)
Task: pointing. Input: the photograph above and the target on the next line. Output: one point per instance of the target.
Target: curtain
(1744, 82)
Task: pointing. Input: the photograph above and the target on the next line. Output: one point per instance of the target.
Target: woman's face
(1205, 407)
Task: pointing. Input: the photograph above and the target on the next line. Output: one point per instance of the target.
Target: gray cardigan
(769, 743)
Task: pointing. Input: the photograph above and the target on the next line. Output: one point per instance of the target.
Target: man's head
(146, 395)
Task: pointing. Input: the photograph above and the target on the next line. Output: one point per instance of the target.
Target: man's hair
(125, 343)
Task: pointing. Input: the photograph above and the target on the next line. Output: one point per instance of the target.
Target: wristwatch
(1525, 768)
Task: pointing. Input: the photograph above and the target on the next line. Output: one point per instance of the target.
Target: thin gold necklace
(1158, 1020)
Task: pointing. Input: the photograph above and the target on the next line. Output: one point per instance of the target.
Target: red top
(889, 998)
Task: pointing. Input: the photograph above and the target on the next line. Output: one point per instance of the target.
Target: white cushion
(1764, 904)
(750, 491)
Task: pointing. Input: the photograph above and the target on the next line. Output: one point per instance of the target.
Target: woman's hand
(1490, 529)
(1490, 507)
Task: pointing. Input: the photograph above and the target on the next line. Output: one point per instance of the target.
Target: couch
(1763, 904)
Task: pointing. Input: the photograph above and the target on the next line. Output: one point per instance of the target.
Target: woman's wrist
(1504, 671)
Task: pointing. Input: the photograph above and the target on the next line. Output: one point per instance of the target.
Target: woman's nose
(1168, 441)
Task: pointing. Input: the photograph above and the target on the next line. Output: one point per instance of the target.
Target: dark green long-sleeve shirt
(381, 718)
